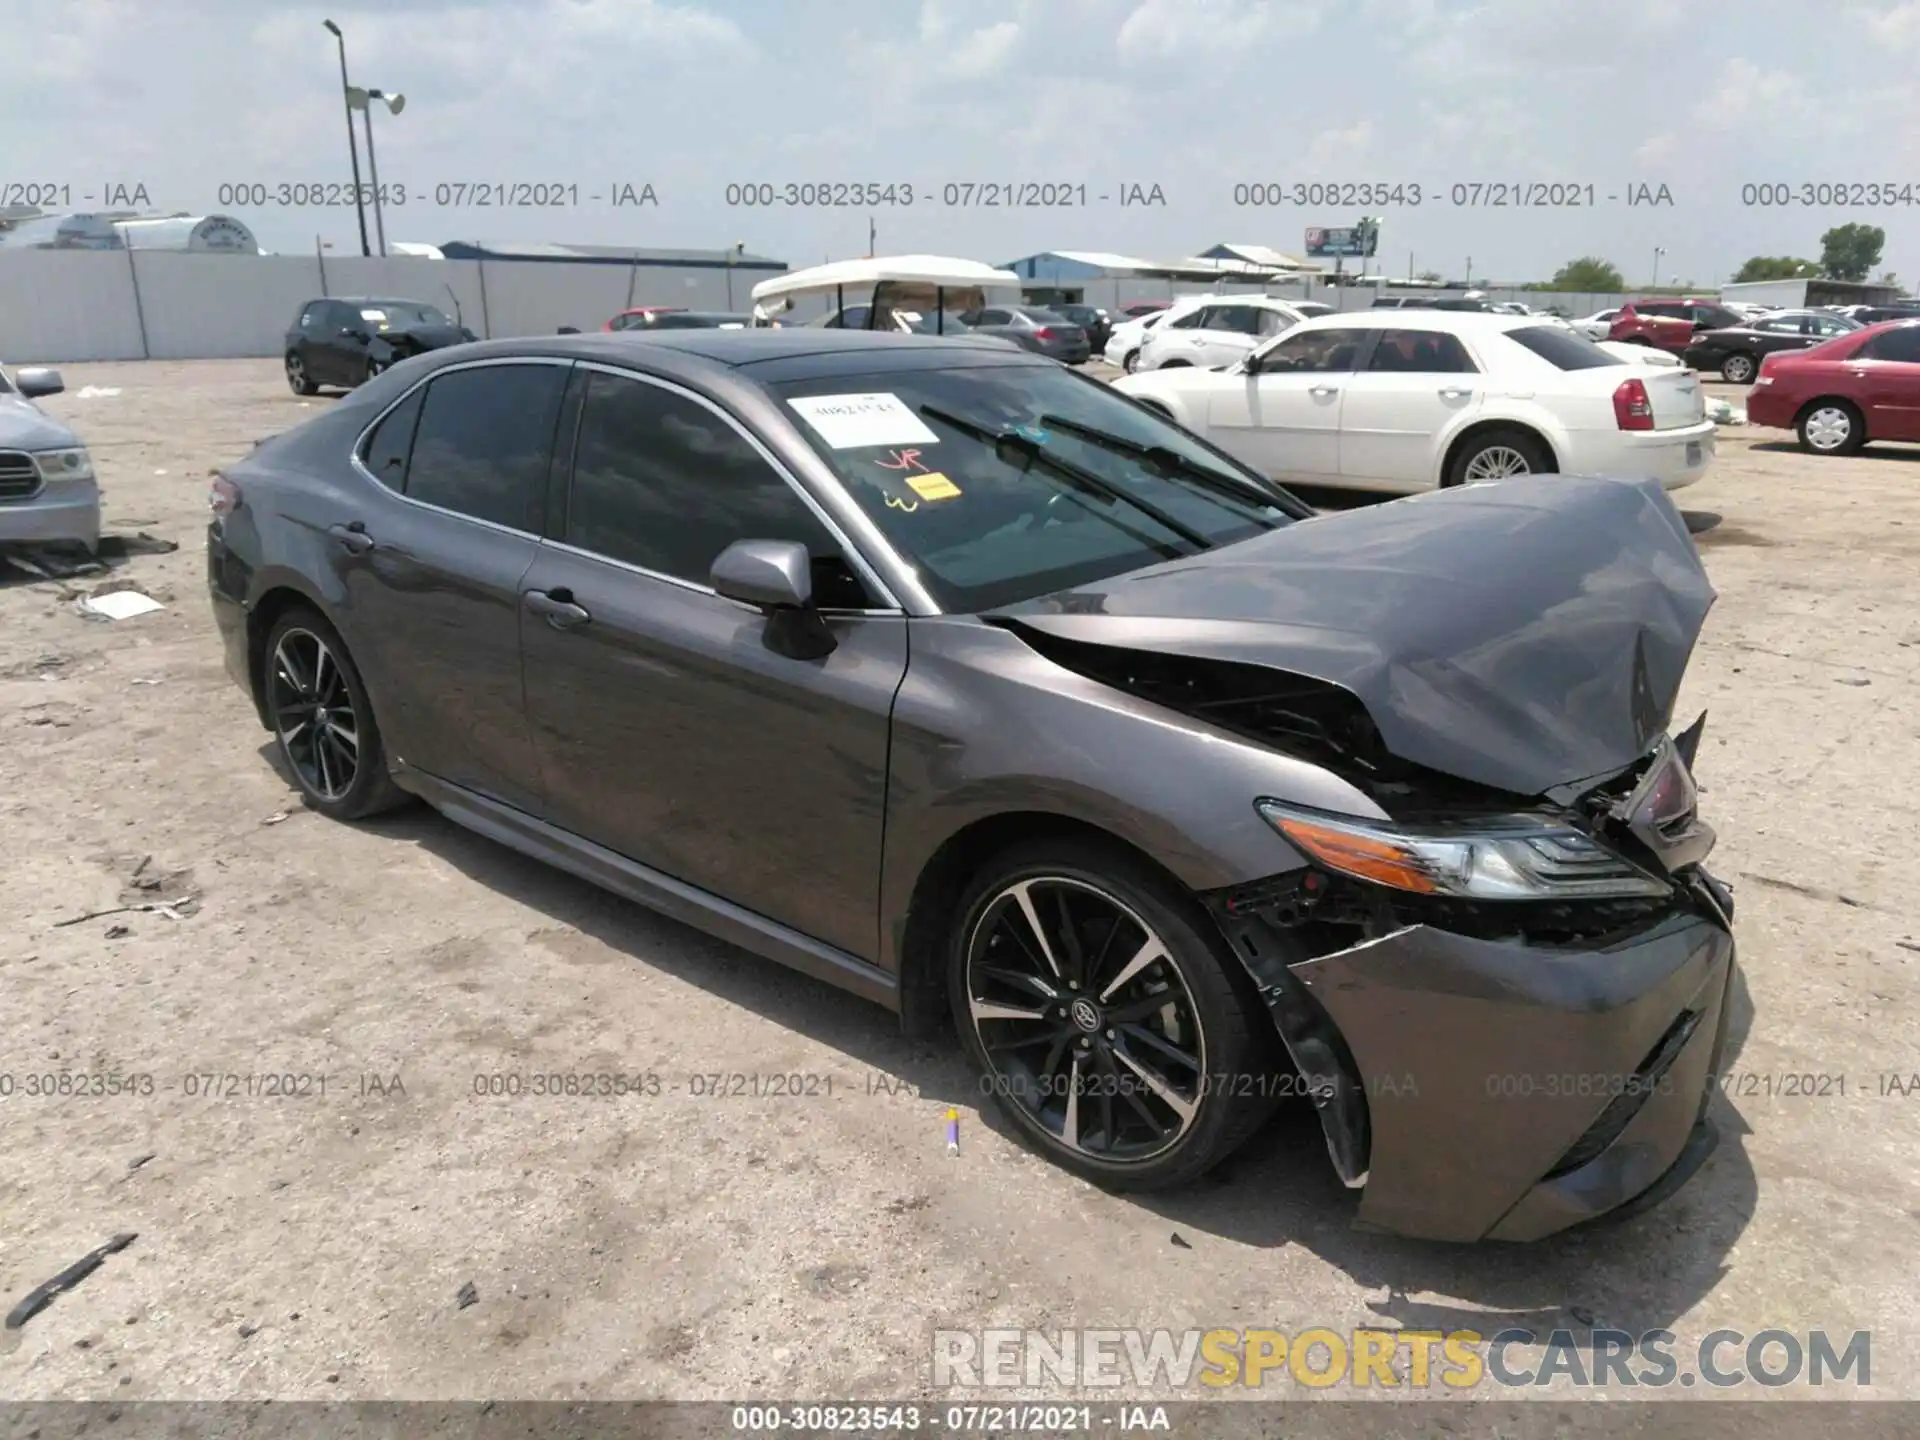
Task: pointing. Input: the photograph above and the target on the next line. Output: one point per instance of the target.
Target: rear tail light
(1632, 409)
(1045, 332)
(223, 496)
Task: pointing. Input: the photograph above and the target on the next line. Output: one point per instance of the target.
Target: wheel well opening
(924, 1012)
(1487, 427)
(261, 619)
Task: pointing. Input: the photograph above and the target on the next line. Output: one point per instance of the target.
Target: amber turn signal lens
(1361, 856)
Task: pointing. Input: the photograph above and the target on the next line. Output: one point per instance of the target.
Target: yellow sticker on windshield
(934, 486)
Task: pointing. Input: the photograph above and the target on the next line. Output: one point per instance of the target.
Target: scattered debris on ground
(44, 1294)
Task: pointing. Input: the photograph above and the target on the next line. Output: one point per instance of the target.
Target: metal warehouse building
(1097, 277)
(692, 279)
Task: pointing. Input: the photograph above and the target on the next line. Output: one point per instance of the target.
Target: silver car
(47, 490)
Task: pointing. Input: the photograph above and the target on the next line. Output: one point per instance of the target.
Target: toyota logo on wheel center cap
(1085, 1016)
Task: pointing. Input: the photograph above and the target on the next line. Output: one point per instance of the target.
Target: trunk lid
(1675, 395)
(1525, 635)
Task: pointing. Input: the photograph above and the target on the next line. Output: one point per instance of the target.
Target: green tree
(1776, 267)
(1849, 252)
(1590, 274)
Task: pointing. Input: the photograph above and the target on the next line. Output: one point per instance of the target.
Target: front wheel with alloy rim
(1831, 427)
(1110, 1026)
(1498, 455)
(298, 380)
(1737, 369)
(322, 721)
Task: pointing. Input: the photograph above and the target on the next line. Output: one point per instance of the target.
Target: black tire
(1198, 996)
(304, 743)
(298, 380)
(1130, 362)
(1526, 447)
(1831, 426)
(1739, 368)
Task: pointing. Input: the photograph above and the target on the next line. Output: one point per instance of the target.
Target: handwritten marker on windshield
(953, 1132)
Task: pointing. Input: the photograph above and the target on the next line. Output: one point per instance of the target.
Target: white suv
(1223, 331)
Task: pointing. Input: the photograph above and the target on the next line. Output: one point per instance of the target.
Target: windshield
(1059, 501)
(387, 314)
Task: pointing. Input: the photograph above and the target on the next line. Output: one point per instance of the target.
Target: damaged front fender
(1497, 1089)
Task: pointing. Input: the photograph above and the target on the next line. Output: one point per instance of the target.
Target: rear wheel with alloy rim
(1831, 427)
(1498, 455)
(1737, 369)
(298, 380)
(1130, 362)
(1111, 1027)
(318, 708)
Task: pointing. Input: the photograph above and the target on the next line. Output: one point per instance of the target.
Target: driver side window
(1314, 352)
(1192, 320)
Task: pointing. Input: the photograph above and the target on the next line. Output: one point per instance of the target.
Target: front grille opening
(19, 476)
(1623, 1107)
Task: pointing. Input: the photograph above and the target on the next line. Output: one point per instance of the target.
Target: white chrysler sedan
(1417, 399)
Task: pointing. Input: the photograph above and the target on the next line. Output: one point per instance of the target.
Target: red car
(1861, 386)
(1668, 324)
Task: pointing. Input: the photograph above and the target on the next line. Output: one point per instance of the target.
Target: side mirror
(38, 381)
(776, 578)
(1250, 365)
(766, 574)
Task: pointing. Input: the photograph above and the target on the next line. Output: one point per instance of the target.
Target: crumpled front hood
(1524, 635)
(24, 426)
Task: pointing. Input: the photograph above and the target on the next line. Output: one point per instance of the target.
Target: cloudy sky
(1192, 96)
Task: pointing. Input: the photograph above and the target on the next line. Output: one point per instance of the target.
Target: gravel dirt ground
(682, 1246)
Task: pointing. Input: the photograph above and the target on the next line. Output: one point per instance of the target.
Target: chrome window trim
(841, 527)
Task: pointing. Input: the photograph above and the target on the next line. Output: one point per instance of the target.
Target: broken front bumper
(1500, 1090)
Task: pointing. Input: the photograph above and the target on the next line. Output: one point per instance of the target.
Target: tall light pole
(362, 100)
(353, 145)
(1657, 253)
(739, 248)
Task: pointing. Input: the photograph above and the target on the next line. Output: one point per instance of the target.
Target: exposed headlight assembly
(55, 465)
(1502, 859)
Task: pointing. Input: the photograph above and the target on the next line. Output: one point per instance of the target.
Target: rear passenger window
(1421, 352)
(385, 453)
(484, 442)
(663, 483)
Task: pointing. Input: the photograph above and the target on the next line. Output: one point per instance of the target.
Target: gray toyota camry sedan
(951, 677)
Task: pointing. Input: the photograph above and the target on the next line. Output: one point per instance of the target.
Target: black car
(346, 342)
(1092, 319)
(680, 320)
(959, 680)
(1737, 350)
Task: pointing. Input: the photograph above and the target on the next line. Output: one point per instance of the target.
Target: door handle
(1454, 392)
(354, 536)
(557, 607)
(1324, 390)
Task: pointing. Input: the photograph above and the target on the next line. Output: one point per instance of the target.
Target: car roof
(370, 300)
(787, 353)
(1472, 321)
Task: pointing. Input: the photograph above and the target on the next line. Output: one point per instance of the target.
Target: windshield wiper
(1162, 462)
(1008, 444)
